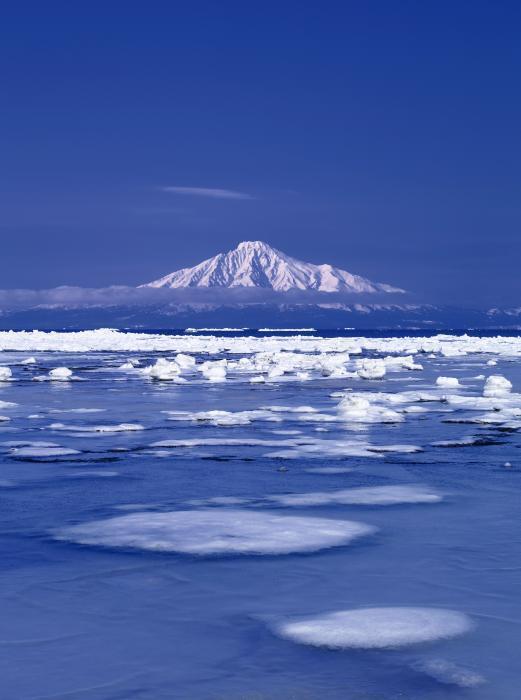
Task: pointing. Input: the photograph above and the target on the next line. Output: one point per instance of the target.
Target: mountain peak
(257, 264)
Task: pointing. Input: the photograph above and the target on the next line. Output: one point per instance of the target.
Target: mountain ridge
(255, 264)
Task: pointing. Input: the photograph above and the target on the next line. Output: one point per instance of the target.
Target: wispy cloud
(212, 192)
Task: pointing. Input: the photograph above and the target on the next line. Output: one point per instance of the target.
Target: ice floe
(224, 418)
(449, 673)
(214, 371)
(214, 532)
(119, 428)
(36, 451)
(448, 382)
(336, 449)
(163, 370)
(371, 495)
(6, 374)
(496, 385)
(58, 374)
(371, 369)
(77, 410)
(358, 408)
(376, 628)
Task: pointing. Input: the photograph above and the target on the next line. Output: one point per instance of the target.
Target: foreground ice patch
(217, 532)
(376, 628)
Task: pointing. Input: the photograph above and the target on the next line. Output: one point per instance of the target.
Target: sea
(260, 514)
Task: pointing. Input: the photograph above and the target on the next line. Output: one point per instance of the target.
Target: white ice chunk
(214, 371)
(5, 374)
(127, 365)
(185, 362)
(496, 385)
(371, 369)
(448, 382)
(357, 408)
(162, 370)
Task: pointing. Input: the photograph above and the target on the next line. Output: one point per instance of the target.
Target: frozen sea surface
(345, 526)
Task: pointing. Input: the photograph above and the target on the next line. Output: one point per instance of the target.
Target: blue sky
(382, 137)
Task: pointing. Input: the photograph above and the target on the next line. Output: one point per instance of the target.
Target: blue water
(110, 624)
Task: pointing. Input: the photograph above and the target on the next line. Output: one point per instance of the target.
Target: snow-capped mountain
(257, 264)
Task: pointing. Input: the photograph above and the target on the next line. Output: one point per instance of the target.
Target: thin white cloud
(212, 192)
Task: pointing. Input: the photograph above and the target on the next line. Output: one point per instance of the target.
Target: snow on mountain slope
(256, 264)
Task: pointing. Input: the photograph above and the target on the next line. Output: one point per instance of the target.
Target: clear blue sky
(383, 137)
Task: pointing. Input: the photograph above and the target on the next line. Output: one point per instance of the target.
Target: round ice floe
(376, 628)
(211, 532)
(371, 495)
(496, 385)
(448, 382)
(5, 374)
